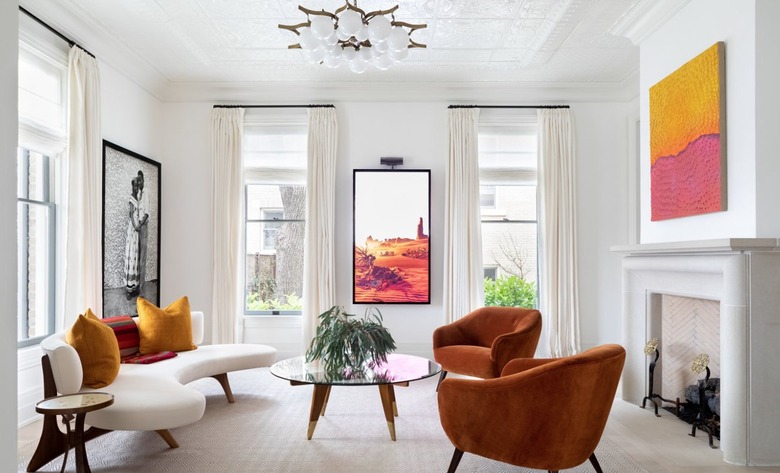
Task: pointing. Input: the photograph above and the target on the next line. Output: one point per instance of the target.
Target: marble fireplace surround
(744, 275)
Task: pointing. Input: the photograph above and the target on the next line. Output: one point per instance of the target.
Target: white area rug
(265, 431)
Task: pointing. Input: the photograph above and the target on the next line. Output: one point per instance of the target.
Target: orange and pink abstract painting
(687, 139)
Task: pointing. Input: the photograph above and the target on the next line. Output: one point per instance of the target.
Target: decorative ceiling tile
(478, 9)
(253, 34)
(469, 33)
(468, 40)
(243, 9)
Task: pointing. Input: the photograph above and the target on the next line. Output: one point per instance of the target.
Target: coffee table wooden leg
(325, 404)
(387, 395)
(392, 398)
(318, 397)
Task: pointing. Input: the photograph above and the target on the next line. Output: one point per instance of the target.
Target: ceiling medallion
(350, 36)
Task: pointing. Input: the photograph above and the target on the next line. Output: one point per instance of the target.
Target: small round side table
(67, 406)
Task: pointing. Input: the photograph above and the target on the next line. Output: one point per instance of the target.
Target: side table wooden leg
(82, 464)
(317, 405)
(387, 395)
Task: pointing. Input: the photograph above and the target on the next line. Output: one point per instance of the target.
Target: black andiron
(650, 347)
(705, 420)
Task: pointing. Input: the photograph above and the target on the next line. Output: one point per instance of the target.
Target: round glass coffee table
(399, 370)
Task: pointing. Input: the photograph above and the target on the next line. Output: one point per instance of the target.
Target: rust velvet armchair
(482, 342)
(547, 414)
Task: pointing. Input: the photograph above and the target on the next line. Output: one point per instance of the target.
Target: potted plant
(344, 341)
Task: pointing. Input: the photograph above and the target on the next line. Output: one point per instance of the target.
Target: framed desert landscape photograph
(391, 236)
(131, 230)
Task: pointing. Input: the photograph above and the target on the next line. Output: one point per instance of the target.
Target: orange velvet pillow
(98, 350)
(168, 329)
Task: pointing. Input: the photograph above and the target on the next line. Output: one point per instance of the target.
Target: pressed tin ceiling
(230, 41)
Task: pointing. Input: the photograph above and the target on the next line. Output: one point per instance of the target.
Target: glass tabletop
(398, 369)
(75, 402)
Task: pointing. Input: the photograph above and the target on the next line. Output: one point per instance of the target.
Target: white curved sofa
(146, 397)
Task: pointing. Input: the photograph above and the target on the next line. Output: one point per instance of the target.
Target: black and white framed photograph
(131, 230)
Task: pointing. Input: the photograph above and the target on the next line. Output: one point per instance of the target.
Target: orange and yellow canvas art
(391, 252)
(687, 139)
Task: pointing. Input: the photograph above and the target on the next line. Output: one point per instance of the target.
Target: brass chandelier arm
(413, 44)
(317, 12)
(372, 14)
(412, 27)
(348, 5)
(294, 28)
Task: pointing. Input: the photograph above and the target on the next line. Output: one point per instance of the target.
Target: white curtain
(559, 302)
(319, 270)
(83, 199)
(227, 182)
(463, 273)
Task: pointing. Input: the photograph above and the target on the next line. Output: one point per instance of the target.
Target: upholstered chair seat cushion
(469, 360)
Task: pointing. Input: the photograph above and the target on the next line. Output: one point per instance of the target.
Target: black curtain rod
(277, 106)
(60, 35)
(508, 106)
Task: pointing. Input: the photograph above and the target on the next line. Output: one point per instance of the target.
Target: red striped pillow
(126, 332)
(150, 358)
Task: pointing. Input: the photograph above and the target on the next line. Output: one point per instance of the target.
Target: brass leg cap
(312, 426)
(391, 428)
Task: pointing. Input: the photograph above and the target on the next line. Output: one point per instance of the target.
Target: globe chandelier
(353, 38)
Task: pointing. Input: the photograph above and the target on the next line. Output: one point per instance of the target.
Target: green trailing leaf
(344, 341)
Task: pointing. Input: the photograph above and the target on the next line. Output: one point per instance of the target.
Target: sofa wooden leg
(168, 437)
(441, 378)
(456, 456)
(595, 463)
(223, 380)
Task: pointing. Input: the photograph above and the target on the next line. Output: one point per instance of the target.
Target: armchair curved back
(545, 414)
(483, 341)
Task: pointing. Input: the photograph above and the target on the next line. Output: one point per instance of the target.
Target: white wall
(767, 118)
(9, 47)
(131, 118)
(418, 132)
(186, 207)
(602, 205)
(696, 27)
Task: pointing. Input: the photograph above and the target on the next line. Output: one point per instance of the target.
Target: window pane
(35, 268)
(511, 203)
(509, 252)
(33, 175)
(274, 277)
(269, 201)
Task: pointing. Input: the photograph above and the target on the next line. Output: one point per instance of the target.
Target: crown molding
(645, 17)
(453, 92)
(70, 20)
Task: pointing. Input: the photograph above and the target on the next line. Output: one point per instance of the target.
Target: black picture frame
(391, 215)
(127, 271)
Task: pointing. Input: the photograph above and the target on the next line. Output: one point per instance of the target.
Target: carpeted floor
(265, 431)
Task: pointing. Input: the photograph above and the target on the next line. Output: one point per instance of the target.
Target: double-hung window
(42, 141)
(507, 173)
(274, 156)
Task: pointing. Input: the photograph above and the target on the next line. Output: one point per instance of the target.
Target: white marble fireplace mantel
(743, 274)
